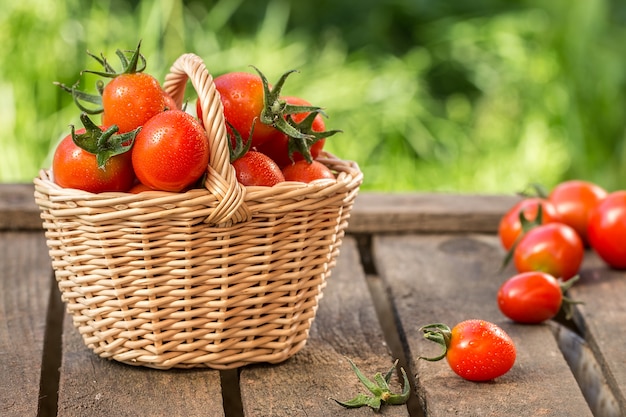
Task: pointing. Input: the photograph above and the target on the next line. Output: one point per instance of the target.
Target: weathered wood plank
(346, 326)
(452, 278)
(18, 210)
(372, 213)
(25, 279)
(91, 386)
(602, 320)
(428, 213)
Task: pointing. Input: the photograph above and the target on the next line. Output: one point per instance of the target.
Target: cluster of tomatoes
(547, 235)
(146, 142)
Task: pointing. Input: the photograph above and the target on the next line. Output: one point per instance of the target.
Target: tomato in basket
(242, 97)
(74, 167)
(256, 168)
(129, 99)
(171, 151)
(249, 98)
(304, 171)
(285, 150)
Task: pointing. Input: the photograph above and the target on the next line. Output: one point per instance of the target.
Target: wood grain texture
(372, 212)
(428, 213)
(25, 280)
(602, 320)
(91, 386)
(346, 326)
(447, 279)
(18, 210)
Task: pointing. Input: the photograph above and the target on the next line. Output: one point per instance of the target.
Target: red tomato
(554, 248)
(139, 188)
(73, 167)
(130, 100)
(574, 200)
(530, 297)
(476, 350)
(302, 171)
(277, 147)
(256, 168)
(169, 103)
(607, 229)
(171, 151)
(510, 227)
(243, 100)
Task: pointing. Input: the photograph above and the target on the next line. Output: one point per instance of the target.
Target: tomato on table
(554, 248)
(574, 200)
(607, 229)
(476, 350)
(510, 227)
(530, 297)
(171, 151)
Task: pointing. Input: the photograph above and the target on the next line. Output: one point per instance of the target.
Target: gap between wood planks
(386, 316)
(52, 354)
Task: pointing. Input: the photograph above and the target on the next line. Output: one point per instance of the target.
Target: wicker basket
(219, 277)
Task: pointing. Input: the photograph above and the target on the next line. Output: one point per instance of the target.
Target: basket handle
(221, 179)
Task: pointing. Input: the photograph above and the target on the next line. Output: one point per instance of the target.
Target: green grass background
(484, 96)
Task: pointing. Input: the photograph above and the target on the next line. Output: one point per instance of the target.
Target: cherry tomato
(574, 200)
(139, 188)
(303, 171)
(530, 297)
(242, 96)
(277, 147)
(73, 167)
(130, 100)
(510, 227)
(476, 350)
(169, 103)
(256, 168)
(554, 248)
(171, 151)
(607, 229)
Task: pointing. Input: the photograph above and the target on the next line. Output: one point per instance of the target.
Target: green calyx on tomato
(379, 388)
(236, 145)
(439, 333)
(303, 145)
(104, 144)
(526, 226)
(568, 303)
(277, 113)
(135, 64)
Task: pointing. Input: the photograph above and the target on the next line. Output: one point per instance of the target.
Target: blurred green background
(484, 96)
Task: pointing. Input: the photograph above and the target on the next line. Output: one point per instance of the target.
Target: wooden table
(408, 260)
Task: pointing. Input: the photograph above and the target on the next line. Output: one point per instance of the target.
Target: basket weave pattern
(219, 277)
